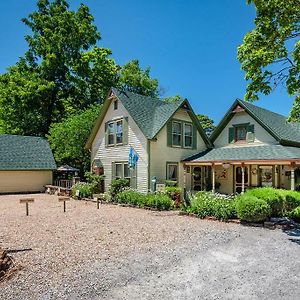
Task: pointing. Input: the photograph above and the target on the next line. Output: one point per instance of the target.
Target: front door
(238, 178)
(197, 179)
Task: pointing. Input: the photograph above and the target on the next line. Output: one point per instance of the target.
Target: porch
(228, 170)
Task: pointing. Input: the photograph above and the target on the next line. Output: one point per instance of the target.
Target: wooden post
(64, 199)
(243, 178)
(27, 201)
(184, 181)
(213, 178)
(293, 165)
(98, 198)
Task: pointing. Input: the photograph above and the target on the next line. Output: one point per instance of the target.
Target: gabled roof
(252, 153)
(25, 153)
(284, 132)
(150, 114)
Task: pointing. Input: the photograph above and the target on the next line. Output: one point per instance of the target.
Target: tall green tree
(206, 123)
(134, 79)
(270, 53)
(68, 138)
(61, 72)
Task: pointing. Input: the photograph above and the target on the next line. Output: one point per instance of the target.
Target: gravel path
(127, 253)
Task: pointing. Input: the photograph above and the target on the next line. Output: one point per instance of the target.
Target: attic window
(115, 104)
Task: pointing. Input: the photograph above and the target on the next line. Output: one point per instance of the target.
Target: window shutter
(125, 131)
(231, 135)
(169, 134)
(113, 171)
(106, 134)
(133, 178)
(250, 134)
(194, 137)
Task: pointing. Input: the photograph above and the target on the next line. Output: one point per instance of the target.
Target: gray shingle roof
(25, 153)
(244, 153)
(284, 132)
(151, 114)
(277, 123)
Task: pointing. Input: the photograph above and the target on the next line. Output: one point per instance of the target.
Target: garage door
(24, 181)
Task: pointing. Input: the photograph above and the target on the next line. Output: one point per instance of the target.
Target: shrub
(295, 214)
(174, 193)
(206, 204)
(117, 186)
(159, 201)
(252, 209)
(292, 200)
(95, 180)
(274, 197)
(85, 189)
(170, 183)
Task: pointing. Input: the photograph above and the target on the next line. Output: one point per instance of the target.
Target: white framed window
(119, 132)
(188, 135)
(111, 133)
(172, 171)
(115, 104)
(121, 171)
(115, 133)
(176, 133)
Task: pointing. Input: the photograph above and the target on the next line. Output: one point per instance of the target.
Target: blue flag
(132, 158)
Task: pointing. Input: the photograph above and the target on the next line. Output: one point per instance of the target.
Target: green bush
(174, 193)
(159, 201)
(274, 197)
(207, 204)
(95, 181)
(170, 183)
(85, 190)
(252, 209)
(295, 214)
(292, 200)
(117, 186)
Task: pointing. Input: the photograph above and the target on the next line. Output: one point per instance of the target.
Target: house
(26, 164)
(162, 135)
(252, 147)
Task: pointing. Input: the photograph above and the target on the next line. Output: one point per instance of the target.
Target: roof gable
(25, 153)
(275, 124)
(150, 114)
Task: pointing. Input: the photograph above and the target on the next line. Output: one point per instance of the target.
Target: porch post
(213, 178)
(243, 178)
(292, 176)
(184, 180)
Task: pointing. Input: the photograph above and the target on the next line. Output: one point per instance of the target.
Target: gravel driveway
(127, 253)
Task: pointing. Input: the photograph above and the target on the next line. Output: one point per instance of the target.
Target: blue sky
(190, 45)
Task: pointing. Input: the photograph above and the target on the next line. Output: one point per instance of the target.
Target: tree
(134, 79)
(68, 138)
(172, 99)
(206, 123)
(270, 53)
(61, 72)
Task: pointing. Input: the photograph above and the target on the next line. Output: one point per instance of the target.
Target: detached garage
(26, 164)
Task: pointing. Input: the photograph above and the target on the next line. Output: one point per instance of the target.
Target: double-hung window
(172, 171)
(176, 133)
(115, 133)
(240, 133)
(188, 135)
(182, 134)
(111, 133)
(119, 132)
(121, 170)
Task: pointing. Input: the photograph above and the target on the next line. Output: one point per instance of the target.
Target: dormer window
(115, 104)
(241, 133)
